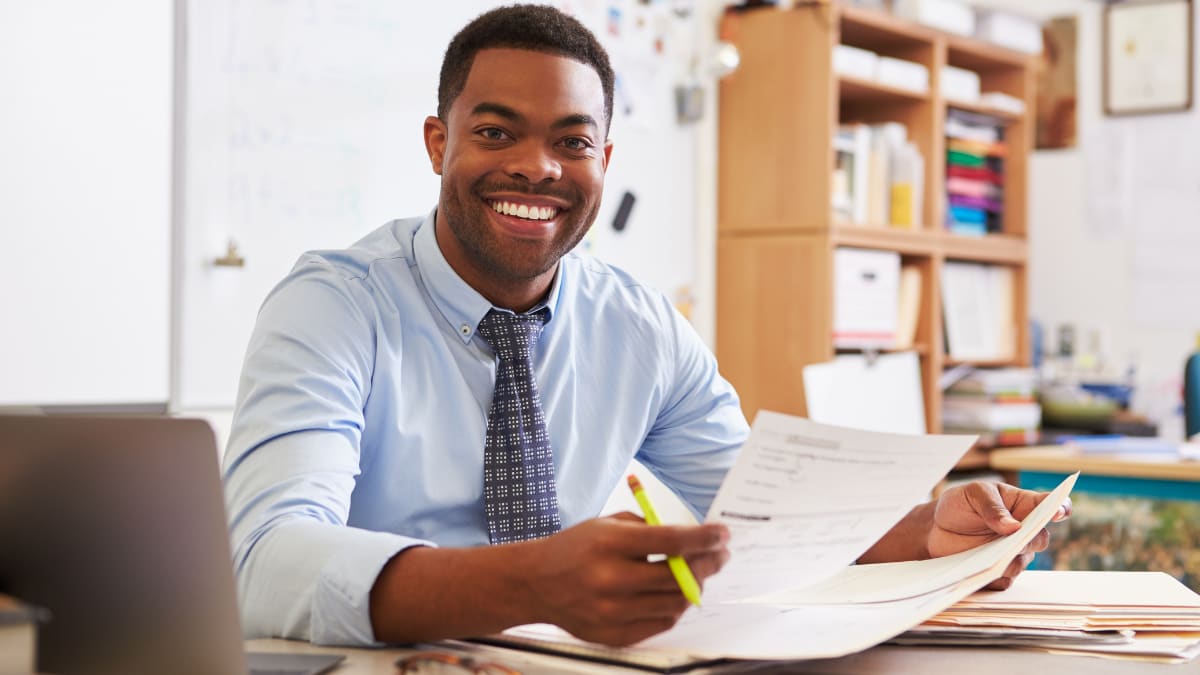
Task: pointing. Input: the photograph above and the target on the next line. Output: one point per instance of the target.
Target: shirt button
(465, 330)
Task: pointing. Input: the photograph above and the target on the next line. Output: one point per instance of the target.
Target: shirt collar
(460, 305)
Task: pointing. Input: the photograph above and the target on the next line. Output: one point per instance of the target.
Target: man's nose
(534, 162)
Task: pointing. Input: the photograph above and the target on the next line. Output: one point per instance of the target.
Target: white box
(855, 62)
(959, 84)
(866, 297)
(1010, 30)
(903, 74)
(948, 15)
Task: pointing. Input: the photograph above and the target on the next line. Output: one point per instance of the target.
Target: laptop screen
(116, 525)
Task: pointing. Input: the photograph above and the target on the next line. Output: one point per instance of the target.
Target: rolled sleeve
(697, 435)
(291, 465)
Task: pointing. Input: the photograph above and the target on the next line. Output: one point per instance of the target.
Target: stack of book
(1146, 616)
(18, 635)
(1000, 405)
(975, 153)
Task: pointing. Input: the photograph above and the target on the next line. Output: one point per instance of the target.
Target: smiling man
(429, 422)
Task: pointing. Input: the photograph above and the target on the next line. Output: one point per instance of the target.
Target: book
(982, 414)
(18, 636)
(909, 307)
(1005, 383)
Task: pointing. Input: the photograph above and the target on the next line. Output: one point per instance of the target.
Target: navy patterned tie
(518, 468)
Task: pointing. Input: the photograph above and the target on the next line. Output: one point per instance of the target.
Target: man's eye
(576, 143)
(493, 134)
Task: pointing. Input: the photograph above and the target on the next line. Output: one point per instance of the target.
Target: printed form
(805, 499)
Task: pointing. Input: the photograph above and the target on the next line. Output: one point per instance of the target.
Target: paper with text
(805, 499)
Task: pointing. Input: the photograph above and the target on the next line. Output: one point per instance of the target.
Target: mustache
(526, 188)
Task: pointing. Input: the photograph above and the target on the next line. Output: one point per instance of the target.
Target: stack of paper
(802, 502)
(977, 305)
(1141, 615)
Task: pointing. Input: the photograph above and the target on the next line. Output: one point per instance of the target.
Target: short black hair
(538, 28)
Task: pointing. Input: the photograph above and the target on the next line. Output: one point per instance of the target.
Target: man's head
(537, 28)
(520, 141)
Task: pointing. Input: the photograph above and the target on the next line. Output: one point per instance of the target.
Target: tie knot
(512, 335)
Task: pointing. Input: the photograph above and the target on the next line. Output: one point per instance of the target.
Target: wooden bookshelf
(779, 113)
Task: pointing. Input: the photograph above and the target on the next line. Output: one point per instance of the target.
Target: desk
(1131, 511)
(889, 660)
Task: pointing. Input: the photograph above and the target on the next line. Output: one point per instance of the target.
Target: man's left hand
(971, 515)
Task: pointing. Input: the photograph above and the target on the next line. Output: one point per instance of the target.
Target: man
(384, 432)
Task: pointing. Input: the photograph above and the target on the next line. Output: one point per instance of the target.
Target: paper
(889, 582)
(880, 394)
(805, 499)
(1157, 615)
(977, 303)
(802, 502)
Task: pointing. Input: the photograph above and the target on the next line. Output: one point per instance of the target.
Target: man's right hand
(594, 580)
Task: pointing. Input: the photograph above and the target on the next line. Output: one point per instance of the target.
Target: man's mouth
(526, 211)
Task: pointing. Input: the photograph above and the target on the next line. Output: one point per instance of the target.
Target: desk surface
(892, 660)
(1066, 459)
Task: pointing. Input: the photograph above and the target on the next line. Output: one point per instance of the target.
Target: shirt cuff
(341, 605)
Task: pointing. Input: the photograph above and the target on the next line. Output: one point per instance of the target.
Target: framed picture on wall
(1147, 56)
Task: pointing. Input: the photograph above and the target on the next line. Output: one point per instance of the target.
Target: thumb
(988, 503)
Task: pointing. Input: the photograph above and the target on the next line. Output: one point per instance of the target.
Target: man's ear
(608, 145)
(435, 142)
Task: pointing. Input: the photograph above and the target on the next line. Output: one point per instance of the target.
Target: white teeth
(525, 211)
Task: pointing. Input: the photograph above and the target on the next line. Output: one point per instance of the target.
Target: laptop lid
(117, 526)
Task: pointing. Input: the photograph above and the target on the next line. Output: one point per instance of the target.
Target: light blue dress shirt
(362, 411)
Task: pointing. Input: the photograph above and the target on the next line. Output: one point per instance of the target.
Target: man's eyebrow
(576, 120)
(499, 110)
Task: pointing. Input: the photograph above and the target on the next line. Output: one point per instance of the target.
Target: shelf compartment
(982, 56)
(990, 248)
(857, 90)
(1005, 116)
(904, 241)
(880, 32)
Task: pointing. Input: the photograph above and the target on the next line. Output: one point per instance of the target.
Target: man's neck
(518, 295)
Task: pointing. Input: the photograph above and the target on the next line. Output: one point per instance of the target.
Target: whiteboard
(85, 201)
(304, 130)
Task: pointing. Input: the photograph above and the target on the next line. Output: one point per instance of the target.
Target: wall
(85, 202)
(303, 130)
(1119, 275)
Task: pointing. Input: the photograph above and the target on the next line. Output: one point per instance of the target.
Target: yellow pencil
(679, 567)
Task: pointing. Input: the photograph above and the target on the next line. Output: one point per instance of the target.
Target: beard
(507, 258)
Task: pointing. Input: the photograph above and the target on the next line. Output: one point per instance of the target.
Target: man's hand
(973, 514)
(594, 581)
(962, 518)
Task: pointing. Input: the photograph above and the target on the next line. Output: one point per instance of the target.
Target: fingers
(1063, 512)
(1014, 568)
(636, 539)
(1038, 543)
(988, 503)
(1022, 502)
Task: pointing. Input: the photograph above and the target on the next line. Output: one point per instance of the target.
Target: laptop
(116, 525)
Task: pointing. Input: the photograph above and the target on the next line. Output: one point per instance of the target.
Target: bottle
(1191, 393)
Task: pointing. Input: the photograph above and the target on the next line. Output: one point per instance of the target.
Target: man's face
(522, 156)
